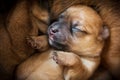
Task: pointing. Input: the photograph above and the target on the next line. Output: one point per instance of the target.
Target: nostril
(54, 30)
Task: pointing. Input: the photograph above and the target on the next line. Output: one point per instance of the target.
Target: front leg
(65, 58)
(72, 63)
(76, 67)
(38, 42)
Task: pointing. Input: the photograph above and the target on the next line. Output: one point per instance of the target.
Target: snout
(57, 34)
(53, 30)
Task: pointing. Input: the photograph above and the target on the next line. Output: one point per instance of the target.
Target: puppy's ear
(104, 34)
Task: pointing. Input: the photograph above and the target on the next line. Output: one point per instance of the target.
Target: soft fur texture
(20, 24)
(24, 20)
(109, 11)
(78, 34)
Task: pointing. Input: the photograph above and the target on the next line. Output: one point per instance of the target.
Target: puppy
(80, 34)
(26, 18)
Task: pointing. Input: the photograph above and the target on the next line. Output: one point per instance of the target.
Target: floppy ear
(104, 34)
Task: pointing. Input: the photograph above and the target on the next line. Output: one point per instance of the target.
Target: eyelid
(77, 29)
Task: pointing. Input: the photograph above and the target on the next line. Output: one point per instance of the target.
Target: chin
(56, 45)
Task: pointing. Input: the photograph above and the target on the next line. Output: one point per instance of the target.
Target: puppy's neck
(90, 61)
(88, 54)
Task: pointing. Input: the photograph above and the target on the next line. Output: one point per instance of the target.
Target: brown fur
(21, 22)
(85, 47)
(109, 11)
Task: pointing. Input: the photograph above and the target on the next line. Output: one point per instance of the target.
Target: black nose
(54, 30)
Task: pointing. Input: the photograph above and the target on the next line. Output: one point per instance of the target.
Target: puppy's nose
(54, 30)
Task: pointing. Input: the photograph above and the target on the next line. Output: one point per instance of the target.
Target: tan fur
(21, 22)
(109, 11)
(80, 63)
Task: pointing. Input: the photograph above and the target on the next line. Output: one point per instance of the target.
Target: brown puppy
(80, 32)
(25, 19)
(109, 10)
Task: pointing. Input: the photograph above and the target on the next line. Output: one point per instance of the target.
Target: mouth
(51, 37)
(55, 43)
(56, 36)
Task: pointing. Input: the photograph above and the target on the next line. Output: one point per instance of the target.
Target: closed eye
(76, 29)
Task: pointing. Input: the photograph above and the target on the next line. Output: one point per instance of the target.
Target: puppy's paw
(58, 58)
(33, 42)
(65, 58)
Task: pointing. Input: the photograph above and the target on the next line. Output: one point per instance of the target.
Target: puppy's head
(78, 29)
